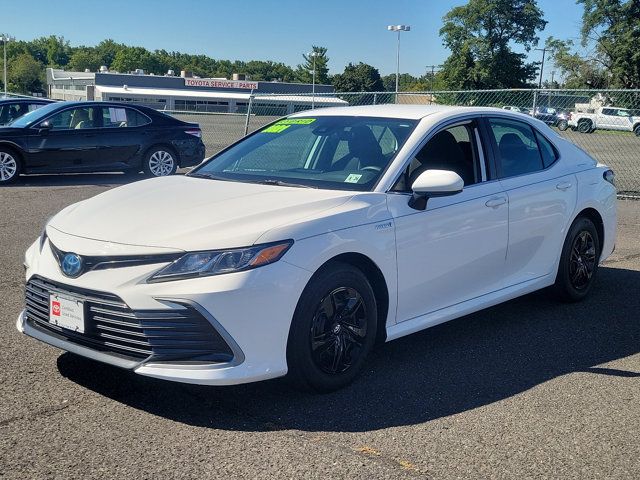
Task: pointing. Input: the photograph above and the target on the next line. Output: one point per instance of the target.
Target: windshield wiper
(280, 183)
(209, 176)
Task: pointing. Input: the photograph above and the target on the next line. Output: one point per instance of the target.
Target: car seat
(442, 152)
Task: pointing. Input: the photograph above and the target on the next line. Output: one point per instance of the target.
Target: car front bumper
(251, 310)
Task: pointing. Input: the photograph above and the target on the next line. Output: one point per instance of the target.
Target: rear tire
(636, 130)
(333, 329)
(578, 262)
(563, 125)
(160, 161)
(10, 166)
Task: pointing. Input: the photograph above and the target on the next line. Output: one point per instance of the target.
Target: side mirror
(44, 127)
(434, 183)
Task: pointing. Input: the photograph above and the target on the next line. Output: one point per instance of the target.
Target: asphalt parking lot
(530, 388)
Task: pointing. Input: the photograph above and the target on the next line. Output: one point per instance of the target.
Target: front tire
(160, 162)
(563, 125)
(584, 126)
(333, 329)
(636, 130)
(10, 166)
(578, 262)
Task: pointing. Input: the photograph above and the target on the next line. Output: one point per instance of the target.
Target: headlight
(216, 262)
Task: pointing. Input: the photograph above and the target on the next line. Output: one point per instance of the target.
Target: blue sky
(280, 30)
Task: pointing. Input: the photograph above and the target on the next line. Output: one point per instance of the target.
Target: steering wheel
(372, 167)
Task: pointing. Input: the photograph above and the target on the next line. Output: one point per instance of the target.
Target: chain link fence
(604, 123)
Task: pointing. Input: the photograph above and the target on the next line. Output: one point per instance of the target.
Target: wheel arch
(377, 280)
(595, 216)
(18, 152)
(14, 147)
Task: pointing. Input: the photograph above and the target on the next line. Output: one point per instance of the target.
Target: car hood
(187, 213)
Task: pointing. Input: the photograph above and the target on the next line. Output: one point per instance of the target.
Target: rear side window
(117, 117)
(518, 151)
(547, 151)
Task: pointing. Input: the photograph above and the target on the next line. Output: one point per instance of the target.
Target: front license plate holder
(66, 312)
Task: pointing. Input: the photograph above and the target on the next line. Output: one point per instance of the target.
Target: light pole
(313, 54)
(5, 38)
(398, 28)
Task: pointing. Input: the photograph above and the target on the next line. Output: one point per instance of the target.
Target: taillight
(196, 132)
(569, 116)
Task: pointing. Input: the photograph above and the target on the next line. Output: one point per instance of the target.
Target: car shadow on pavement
(458, 366)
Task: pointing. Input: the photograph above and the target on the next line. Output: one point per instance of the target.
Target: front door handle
(496, 202)
(564, 186)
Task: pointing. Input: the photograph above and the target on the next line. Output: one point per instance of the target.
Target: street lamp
(313, 54)
(398, 28)
(5, 38)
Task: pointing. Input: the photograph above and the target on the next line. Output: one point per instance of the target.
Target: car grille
(114, 328)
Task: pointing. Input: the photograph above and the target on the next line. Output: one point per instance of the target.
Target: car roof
(409, 112)
(25, 100)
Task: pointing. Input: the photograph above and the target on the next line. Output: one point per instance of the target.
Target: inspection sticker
(353, 178)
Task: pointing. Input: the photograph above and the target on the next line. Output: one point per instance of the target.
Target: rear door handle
(496, 202)
(564, 185)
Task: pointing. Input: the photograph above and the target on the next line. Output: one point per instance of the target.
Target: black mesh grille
(111, 326)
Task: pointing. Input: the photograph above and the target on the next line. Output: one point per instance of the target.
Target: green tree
(25, 75)
(267, 71)
(480, 35)
(614, 26)
(128, 59)
(84, 58)
(107, 51)
(52, 51)
(304, 72)
(577, 71)
(358, 78)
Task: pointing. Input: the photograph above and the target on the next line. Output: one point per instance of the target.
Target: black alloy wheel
(578, 262)
(333, 329)
(583, 260)
(338, 330)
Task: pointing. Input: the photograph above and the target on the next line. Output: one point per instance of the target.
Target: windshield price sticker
(275, 128)
(282, 125)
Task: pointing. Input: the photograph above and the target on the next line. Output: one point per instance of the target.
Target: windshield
(332, 152)
(34, 115)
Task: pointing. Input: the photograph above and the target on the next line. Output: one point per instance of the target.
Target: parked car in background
(547, 114)
(512, 108)
(97, 137)
(606, 118)
(562, 119)
(13, 108)
(298, 248)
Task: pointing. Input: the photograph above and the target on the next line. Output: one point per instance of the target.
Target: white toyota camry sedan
(297, 249)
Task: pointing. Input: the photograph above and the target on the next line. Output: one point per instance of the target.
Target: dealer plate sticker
(66, 312)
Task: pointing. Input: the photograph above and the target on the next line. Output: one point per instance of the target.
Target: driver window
(74, 119)
(452, 149)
